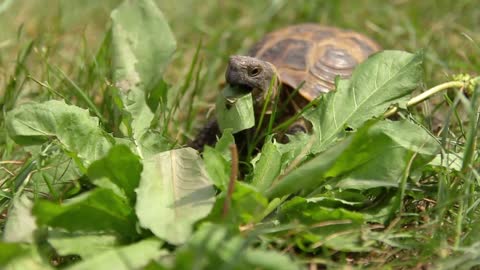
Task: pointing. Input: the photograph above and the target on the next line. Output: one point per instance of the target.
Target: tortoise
(309, 56)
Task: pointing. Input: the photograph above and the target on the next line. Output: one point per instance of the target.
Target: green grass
(57, 49)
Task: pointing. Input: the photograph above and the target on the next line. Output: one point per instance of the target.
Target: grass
(48, 49)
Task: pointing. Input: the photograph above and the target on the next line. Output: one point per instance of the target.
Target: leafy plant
(118, 190)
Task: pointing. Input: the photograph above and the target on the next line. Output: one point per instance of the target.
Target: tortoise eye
(254, 71)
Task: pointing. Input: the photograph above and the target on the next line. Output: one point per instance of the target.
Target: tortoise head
(253, 75)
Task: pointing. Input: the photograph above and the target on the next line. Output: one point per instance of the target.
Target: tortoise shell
(313, 54)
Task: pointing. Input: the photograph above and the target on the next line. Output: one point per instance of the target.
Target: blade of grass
(265, 105)
(78, 91)
(47, 86)
(253, 140)
(15, 85)
(183, 89)
(294, 118)
(195, 93)
(472, 131)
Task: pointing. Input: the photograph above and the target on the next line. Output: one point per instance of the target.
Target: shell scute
(314, 55)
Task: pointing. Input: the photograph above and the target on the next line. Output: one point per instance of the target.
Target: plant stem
(233, 178)
(425, 95)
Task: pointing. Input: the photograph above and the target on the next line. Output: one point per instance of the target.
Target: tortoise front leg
(207, 135)
(301, 125)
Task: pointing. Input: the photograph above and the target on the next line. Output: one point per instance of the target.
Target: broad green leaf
(142, 45)
(81, 244)
(78, 132)
(153, 142)
(310, 174)
(375, 204)
(318, 226)
(10, 251)
(216, 247)
(376, 155)
(223, 144)
(57, 175)
(97, 210)
(384, 79)
(153, 265)
(381, 211)
(269, 259)
(217, 167)
(217, 160)
(267, 167)
(297, 147)
(121, 167)
(247, 206)
(157, 96)
(20, 225)
(134, 256)
(234, 110)
(174, 193)
(379, 158)
(340, 198)
(451, 161)
(20, 256)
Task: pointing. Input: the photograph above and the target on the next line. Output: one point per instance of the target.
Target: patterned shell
(315, 54)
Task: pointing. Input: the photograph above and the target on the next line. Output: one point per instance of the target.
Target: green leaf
(216, 247)
(235, 110)
(450, 161)
(153, 142)
(247, 206)
(121, 167)
(310, 174)
(338, 229)
(217, 167)
(134, 256)
(379, 158)
(217, 160)
(384, 79)
(223, 144)
(295, 148)
(97, 210)
(20, 225)
(142, 45)
(340, 198)
(81, 244)
(57, 174)
(376, 155)
(155, 266)
(78, 132)
(267, 167)
(267, 259)
(20, 256)
(10, 251)
(174, 193)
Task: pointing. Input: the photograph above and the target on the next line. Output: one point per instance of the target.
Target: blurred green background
(448, 30)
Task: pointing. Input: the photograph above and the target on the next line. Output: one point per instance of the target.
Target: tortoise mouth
(241, 88)
(232, 92)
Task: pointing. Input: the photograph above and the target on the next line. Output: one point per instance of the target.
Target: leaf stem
(233, 178)
(425, 95)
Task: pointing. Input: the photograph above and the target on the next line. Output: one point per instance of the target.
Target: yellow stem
(425, 95)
